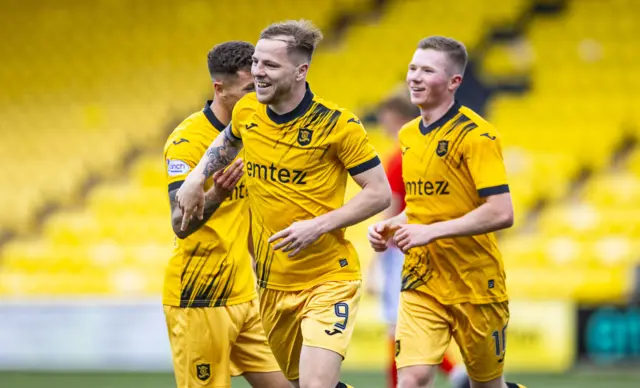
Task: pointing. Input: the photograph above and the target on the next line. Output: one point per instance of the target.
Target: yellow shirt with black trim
(212, 266)
(449, 168)
(296, 168)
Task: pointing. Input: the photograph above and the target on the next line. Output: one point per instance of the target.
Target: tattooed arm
(220, 154)
(224, 184)
(190, 196)
(210, 206)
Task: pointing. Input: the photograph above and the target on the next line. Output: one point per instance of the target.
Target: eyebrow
(423, 66)
(267, 61)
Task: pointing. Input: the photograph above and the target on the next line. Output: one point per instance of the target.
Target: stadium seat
(84, 86)
(575, 117)
(104, 103)
(374, 56)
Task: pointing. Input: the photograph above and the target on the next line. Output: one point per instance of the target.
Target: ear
(301, 71)
(218, 87)
(455, 81)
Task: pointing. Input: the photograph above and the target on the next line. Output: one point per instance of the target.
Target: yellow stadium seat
(81, 113)
(113, 78)
(619, 189)
(567, 122)
(634, 162)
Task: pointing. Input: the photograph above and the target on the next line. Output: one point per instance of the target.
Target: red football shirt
(394, 175)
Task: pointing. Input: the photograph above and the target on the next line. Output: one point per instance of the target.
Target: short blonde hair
(305, 36)
(454, 49)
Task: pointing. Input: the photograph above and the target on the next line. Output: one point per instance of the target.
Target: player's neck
(220, 112)
(431, 115)
(289, 104)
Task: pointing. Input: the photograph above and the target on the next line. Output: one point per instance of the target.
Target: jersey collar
(442, 120)
(298, 111)
(212, 117)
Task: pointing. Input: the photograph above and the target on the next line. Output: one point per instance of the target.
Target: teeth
(262, 84)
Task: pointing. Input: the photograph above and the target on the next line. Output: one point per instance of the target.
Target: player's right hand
(190, 198)
(380, 234)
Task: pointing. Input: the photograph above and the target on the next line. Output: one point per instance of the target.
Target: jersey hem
(230, 302)
(464, 299)
(303, 286)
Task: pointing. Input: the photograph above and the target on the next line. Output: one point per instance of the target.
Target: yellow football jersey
(448, 168)
(296, 168)
(212, 266)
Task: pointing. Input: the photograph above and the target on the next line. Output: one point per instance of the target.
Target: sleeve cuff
(362, 167)
(229, 131)
(493, 190)
(175, 185)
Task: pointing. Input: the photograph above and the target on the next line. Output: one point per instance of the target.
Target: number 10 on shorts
(500, 341)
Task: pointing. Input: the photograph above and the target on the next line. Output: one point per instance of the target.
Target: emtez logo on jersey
(421, 187)
(275, 174)
(239, 192)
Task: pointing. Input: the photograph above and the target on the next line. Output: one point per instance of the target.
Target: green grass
(577, 379)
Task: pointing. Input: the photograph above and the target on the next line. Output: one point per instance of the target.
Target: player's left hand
(224, 182)
(296, 237)
(413, 235)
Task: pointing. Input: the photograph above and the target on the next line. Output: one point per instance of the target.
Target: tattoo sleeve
(210, 207)
(221, 152)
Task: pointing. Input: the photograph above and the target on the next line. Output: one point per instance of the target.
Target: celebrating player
(210, 301)
(453, 281)
(392, 115)
(298, 150)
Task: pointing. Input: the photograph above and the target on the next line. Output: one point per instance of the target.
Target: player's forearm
(210, 206)
(486, 218)
(395, 207)
(398, 219)
(367, 203)
(219, 155)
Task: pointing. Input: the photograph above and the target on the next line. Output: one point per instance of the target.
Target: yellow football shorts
(425, 327)
(211, 344)
(322, 316)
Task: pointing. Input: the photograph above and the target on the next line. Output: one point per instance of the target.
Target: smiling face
(432, 78)
(275, 70)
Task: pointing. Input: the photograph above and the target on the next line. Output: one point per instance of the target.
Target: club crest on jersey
(304, 136)
(443, 147)
(203, 371)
